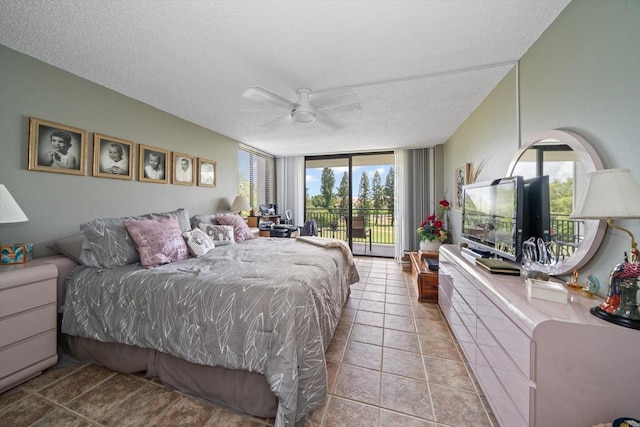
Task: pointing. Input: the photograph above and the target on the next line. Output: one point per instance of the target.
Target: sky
(314, 174)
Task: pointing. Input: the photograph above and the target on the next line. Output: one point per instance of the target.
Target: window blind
(256, 180)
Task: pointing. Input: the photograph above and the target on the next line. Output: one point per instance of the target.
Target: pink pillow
(159, 241)
(241, 230)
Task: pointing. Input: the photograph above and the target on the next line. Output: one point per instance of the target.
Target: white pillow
(198, 242)
(220, 234)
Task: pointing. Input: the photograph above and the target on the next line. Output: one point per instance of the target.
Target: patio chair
(359, 230)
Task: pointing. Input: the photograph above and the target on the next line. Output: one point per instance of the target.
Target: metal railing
(333, 223)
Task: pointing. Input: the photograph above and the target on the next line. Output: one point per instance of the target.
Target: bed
(246, 325)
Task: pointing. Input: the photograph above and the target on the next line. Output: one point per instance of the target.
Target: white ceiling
(419, 68)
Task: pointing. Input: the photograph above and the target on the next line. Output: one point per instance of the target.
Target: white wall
(581, 75)
(57, 204)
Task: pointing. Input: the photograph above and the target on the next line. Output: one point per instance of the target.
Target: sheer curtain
(401, 182)
(414, 195)
(290, 187)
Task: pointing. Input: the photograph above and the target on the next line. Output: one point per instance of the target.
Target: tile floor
(392, 362)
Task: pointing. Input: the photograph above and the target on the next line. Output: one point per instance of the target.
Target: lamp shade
(240, 203)
(609, 193)
(9, 210)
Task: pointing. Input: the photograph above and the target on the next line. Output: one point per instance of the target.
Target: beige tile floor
(392, 362)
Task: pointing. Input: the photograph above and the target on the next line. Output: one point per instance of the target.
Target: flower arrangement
(433, 227)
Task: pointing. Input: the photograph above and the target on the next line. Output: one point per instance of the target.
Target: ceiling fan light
(302, 116)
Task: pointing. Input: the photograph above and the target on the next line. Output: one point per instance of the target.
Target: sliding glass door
(351, 198)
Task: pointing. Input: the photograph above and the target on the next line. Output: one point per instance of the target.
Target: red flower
(437, 223)
(444, 204)
(431, 218)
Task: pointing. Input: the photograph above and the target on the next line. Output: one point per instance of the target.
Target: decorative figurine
(573, 284)
(623, 288)
(592, 287)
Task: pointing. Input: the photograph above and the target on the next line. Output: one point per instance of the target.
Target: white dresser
(27, 321)
(539, 363)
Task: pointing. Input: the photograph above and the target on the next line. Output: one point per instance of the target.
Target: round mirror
(566, 158)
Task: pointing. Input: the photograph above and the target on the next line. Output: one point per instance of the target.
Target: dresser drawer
(20, 356)
(505, 369)
(512, 339)
(27, 324)
(20, 298)
(504, 408)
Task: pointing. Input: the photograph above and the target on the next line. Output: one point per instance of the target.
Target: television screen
(492, 216)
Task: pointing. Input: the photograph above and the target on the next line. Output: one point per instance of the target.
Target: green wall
(583, 75)
(57, 204)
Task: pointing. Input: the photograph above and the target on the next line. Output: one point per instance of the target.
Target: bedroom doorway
(351, 197)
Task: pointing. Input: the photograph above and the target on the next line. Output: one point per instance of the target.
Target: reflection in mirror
(566, 158)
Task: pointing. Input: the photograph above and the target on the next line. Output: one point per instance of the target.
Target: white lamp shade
(609, 193)
(9, 210)
(240, 203)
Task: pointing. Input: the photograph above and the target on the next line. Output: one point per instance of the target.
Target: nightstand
(27, 321)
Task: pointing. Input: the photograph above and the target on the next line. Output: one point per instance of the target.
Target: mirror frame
(594, 228)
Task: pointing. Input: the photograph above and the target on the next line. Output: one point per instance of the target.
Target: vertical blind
(256, 180)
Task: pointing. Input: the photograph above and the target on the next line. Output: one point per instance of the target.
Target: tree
(561, 196)
(377, 193)
(327, 182)
(389, 195)
(343, 193)
(363, 193)
(317, 201)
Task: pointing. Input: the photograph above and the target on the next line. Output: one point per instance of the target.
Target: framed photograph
(461, 178)
(183, 169)
(57, 148)
(152, 164)
(206, 173)
(112, 157)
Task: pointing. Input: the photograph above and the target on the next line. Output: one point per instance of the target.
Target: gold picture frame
(207, 173)
(184, 171)
(460, 179)
(57, 148)
(112, 157)
(153, 164)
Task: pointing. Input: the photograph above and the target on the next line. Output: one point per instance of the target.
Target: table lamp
(240, 203)
(10, 212)
(615, 194)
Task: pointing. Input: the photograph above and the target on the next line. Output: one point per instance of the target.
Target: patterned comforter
(267, 305)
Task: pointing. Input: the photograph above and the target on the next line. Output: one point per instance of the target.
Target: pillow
(241, 230)
(71, 247)
(210, 218)
(198, 242)
(220, 234)
(109, 244)
(159, 241)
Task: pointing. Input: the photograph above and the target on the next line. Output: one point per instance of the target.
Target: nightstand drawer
(27, 353)
(20, 298)
(27, 324)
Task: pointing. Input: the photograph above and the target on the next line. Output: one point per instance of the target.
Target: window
(256, 180)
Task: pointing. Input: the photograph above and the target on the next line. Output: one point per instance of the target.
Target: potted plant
(432, 231)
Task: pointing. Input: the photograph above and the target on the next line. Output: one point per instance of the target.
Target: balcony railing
(333, 223)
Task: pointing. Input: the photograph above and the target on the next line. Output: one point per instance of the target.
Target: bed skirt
(240, 391)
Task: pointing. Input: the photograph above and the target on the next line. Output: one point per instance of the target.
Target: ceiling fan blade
(277, 122)
(324, 119)
(328, 100)
(261, 94)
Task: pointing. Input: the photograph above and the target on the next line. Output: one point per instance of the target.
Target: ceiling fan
(309, 107)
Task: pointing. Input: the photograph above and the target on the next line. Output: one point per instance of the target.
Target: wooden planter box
(426, 281)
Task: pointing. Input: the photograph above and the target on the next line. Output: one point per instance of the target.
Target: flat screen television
(493, 217)
(537, 209)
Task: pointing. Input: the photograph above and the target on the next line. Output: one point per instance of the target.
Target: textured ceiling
(419, 68)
